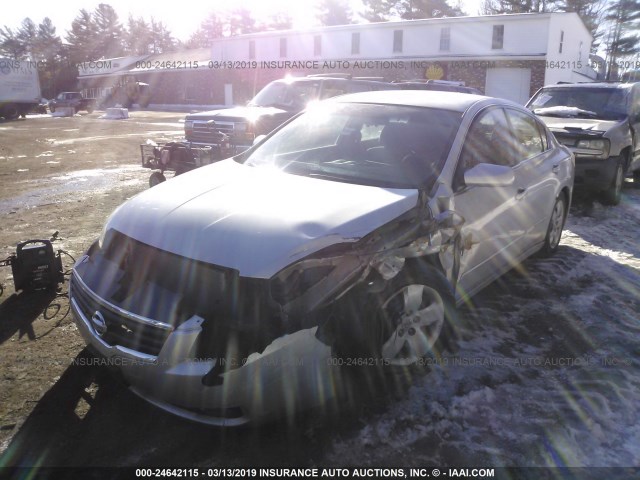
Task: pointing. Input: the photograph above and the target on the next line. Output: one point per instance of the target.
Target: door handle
(520, 193)
(555, 169)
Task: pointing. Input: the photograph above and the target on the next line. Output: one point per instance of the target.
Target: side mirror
(258, 139)
(489, 175)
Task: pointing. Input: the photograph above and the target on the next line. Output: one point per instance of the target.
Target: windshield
(380, 145)
(285, 95)
(602, 103)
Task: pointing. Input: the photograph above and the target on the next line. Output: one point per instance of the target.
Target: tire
(156, 178)
(52, 109)
(11, 112)
(556, 224)
(636, 178)
(90, 109)
(613, 194)
(411, 318)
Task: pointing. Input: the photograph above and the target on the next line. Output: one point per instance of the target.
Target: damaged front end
(205, 343)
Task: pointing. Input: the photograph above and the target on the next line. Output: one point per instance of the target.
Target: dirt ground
(57, 408)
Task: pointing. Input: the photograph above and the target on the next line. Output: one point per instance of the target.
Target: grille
(121, 330)
(203, 132)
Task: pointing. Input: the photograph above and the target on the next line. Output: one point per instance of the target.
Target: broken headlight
(294, 281)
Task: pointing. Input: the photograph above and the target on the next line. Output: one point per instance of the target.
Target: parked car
(74, 100)
(42, 106)
(351, 232)
(439, 85)
(232, 130)
(600, 123)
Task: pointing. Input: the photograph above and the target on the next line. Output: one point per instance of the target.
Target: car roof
(455, 101)
(333, 79)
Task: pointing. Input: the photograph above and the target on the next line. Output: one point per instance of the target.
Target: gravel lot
(547, 372)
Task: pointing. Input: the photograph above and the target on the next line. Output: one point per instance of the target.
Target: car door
(535, 171)
(490, 228)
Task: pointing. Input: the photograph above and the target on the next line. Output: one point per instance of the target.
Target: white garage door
(510, 83)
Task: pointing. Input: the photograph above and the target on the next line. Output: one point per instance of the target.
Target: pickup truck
(233, 130)
(72, 99)
(600, 124)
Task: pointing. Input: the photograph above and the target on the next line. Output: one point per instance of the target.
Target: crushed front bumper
(293, 373)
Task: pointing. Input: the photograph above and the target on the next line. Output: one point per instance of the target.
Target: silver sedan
(347, 236)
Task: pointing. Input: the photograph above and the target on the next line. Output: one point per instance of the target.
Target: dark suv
(439, 85)
(233, 130)
(600, 123)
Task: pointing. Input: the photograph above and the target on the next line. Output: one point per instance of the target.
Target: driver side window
(488, 141)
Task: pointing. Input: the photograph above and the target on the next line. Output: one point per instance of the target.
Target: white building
(509, 56)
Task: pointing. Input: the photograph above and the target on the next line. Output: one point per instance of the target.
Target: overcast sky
(181, 16)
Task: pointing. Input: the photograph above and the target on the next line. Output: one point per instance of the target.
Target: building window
(283, 47)
(252, 49)
(498, 37)
(317, 45)
(561, 41)
(580, 51)
(445, 38)
(355, 43)
(397, 41)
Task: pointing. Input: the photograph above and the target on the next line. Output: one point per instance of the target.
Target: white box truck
(19, 88)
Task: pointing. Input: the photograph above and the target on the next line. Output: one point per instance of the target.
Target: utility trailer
(178, 157)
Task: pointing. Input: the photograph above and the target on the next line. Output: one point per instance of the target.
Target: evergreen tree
(334, 12)
(414, 9)
(492, 7)
(591, 12)
(81, 38)
(621, 40)
(27, 36)
(137, 36)
(210, 29)
(377, 10)
(107, 34)
(161, 39)
(10, 45)
(241, 22)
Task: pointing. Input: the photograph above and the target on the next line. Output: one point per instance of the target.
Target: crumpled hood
(254, 220)
(590, 124)
(237, 113)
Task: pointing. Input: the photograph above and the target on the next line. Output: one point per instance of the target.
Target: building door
(228, 94)
(511, 83)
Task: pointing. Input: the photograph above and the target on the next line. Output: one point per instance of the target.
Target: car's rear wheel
(613, 194)
(52, 108)
(556, 225)
(156, 178)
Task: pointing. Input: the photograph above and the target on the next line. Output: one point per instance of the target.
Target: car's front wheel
(556, 225)
(411, 318)
(613, 194)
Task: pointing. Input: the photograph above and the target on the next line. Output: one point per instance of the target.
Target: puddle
(61, 187)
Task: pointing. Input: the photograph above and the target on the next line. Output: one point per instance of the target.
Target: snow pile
(547, 373)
